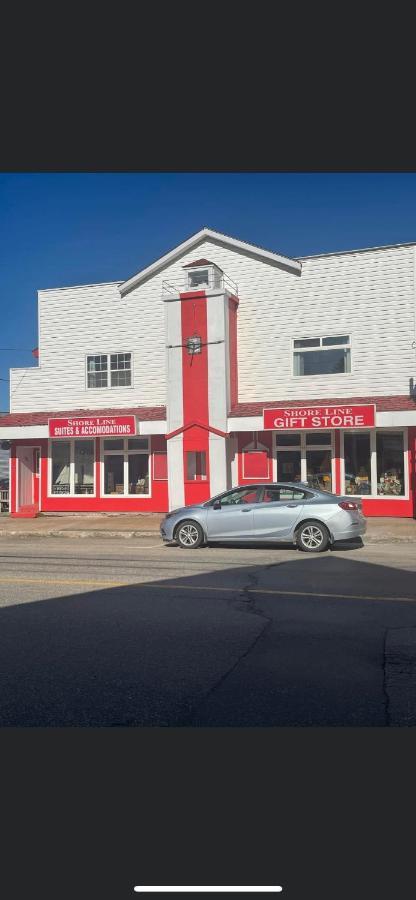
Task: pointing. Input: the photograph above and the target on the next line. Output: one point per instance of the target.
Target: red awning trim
(143, 413)
(383, 404)
(196, 425)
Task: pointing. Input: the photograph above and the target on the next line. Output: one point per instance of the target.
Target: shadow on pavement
(279, 644)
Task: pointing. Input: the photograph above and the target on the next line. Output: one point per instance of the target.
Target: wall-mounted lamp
(194, 344)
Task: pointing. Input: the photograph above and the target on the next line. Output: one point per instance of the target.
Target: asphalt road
(102, 632)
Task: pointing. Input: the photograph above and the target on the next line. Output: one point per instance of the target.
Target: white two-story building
(220, 364)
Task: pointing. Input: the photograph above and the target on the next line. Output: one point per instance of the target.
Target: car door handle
(246, 510)
(291, 505)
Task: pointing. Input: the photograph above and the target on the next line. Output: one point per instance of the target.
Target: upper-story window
(109, 370)
(203, 275)
(198, 278)
(322, 355)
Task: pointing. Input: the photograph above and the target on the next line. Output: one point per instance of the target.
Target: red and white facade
(221, 364)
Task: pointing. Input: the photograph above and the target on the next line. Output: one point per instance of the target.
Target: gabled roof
(223, 240)
(197, 263)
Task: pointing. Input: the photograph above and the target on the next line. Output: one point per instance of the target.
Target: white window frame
(215, 277)
(302, 448)
(125, 453)
(71, 493)
(322, 349)
(373, 460)
(109, 386)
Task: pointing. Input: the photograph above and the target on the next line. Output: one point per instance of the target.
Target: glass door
(289, 456)
(289, 465)
(305, 456)
(318, 450)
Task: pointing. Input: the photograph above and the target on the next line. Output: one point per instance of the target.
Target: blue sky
(62, 229)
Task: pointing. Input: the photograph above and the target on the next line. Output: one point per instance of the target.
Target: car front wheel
(312, 537)
(189, 535)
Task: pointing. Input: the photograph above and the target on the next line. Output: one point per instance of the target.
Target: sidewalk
(86, 525)
(379, 530)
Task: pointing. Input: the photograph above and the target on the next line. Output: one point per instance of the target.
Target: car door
(277, 512)
(234, 519)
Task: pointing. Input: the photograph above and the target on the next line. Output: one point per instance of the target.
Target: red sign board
(96, 426)
(321, 417)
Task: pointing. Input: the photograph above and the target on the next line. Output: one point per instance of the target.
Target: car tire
(312, 537)
(189, 535)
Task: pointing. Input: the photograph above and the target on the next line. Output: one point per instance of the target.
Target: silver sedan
(290, 513)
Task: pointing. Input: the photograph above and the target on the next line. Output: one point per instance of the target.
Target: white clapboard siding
(369, 295)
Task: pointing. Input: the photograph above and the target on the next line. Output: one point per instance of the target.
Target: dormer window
(202, 275)
(198, 278)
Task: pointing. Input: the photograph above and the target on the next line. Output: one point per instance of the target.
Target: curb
(96, 533)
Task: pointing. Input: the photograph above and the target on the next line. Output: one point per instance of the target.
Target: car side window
(271, 495)
(242, 495)
(284, 494)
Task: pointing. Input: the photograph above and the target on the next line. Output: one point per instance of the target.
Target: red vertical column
(412, 468)
(195, 391)
(97, 469)
(337, 461)
(12, 485)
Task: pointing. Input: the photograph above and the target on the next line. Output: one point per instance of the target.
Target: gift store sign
(96, 426)
(320, 417)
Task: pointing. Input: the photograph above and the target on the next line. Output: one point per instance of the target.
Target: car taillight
(348, 504)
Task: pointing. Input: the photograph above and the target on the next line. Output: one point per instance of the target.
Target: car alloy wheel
(189, 535)
(312, 538)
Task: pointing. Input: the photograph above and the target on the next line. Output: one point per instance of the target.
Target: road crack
(244, 602)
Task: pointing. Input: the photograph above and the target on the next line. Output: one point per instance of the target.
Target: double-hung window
(109, 370)
(322, 355)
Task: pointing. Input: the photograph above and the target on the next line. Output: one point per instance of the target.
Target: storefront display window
(138, 464)
(61, 461)
(319, 469)
(72, 467)
(357, 452)
(113, 474)
(84, 467)
(126, 473)
(390, 463)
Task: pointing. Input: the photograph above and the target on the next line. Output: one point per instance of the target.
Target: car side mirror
(217, 504)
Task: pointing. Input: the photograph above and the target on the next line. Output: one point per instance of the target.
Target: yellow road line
(202, 587)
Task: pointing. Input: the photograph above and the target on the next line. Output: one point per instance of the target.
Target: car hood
(181, 509)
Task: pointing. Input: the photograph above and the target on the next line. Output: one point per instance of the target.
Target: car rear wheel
(312, 537)
(189, 535)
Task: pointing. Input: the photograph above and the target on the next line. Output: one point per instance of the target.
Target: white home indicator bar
(208, 890)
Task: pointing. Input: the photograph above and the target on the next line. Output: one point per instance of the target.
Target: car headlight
(169, 515)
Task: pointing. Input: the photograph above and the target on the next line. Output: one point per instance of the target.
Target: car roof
(267, 484)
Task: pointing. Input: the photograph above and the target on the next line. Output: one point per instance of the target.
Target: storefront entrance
(306, 456)
(27, 495)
